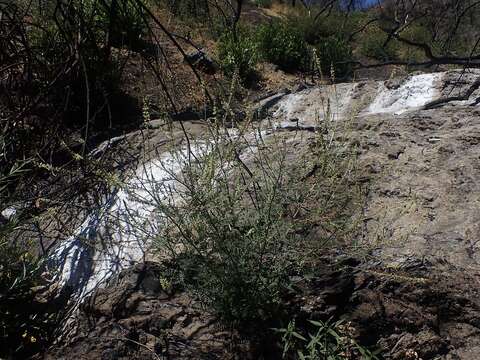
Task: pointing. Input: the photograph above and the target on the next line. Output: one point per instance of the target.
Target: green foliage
(24, 327)
(333, 54)
(187, 9)
(228, 234)
(288, 44)
(61, 72)
(332, 23)
(417, 33)
(306, 25)
(124, 20)
(283, 45)
(108, 24)
(64, 58)
(313, 29)
(237, 53)
(372, 45)
(328, 340)
(121, 23)
(232, 228)
(263, 3)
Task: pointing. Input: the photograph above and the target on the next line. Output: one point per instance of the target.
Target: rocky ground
(422, 213)
(409, 284)
(424, 199)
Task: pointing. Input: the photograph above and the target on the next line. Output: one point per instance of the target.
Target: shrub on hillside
(25, 324)
(187, 9)
(232, 228)
(288, 44)
(126, 22)
(418, 33)
(228, 232)
(312, 29)
(371, 44)
(283, 45)
(334, 54)
(237, 53)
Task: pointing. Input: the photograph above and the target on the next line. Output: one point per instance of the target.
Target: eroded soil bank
(413, 313)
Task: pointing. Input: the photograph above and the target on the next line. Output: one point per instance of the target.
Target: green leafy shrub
(327, 340)
(237, 53)
(228, 243)
(122, 23)
(283, 45)
(313, 29)
(417, 33)
(334, 53)
(371, 45)
(263, 3)
(25, 324)
(232, 226)
(331, 23)
(306, 25)
(288, 44)
(187, 9)
(125, 20)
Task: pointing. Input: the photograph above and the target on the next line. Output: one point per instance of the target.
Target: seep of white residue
(115, 235)
(417, 91)
(309, 106)
(8, 213)
(333, 102)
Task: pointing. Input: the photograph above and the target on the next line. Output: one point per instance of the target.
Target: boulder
(200, 60)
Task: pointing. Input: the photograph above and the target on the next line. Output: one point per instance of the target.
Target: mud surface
(417, 314)
(411, 314)
(135, 318)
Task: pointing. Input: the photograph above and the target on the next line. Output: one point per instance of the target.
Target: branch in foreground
(436, 103)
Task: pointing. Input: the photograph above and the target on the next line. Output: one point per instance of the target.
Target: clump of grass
(283, 44)
(326, 340)
(238, 53)
(236, 224)
(25, 327)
